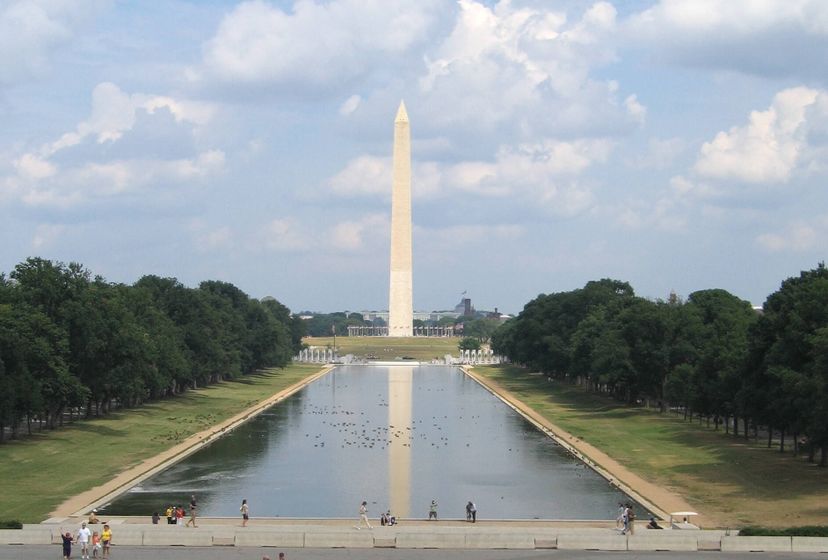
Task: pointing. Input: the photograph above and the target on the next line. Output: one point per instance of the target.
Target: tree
(481, 329)
(468, 343)
(787, 359)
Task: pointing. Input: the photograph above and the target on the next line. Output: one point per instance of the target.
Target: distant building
(464, 308)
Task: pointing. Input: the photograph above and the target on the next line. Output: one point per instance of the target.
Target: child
(106, 540)
(67, 545)
(96, 544)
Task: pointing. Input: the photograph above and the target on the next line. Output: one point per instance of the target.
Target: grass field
(387, 348)
(733, 482)
(40, 472)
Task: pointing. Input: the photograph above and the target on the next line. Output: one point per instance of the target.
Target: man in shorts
(84, 534)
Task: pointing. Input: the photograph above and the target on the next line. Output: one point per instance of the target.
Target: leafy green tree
(786, 359)
(722, 323)
(481, 328)
(542, 332)
(468, 343)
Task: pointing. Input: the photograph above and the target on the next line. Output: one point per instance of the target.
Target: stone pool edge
(84, 502)
(658, 500)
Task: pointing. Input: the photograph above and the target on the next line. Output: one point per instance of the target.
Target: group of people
(388, 519)
(626, 518)
(625, 521)
(175, 514)
(91, 542)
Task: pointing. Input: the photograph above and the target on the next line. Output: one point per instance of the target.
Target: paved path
(46, 552)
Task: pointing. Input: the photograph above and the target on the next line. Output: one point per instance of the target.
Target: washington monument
(400, 301)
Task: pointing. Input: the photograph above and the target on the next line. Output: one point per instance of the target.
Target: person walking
(245, 511)
(363, 516)
(83, 536)
(432, 511)
(193, 509)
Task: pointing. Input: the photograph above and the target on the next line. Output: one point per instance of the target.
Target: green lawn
(40, 472)
(733, 482)
(387, 348)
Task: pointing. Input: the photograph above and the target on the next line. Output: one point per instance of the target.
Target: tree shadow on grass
(739, 469)
(99, 429)
(750, 470)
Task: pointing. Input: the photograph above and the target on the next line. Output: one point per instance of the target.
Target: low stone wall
(482, 536)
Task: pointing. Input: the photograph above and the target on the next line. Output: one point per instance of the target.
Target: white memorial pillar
(400, 298)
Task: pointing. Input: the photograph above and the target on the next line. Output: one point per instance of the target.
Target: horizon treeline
(711, 356)
(73, 343)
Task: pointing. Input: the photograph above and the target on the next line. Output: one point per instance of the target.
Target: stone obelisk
(400, 300)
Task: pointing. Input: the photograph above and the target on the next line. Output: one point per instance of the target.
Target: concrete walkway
(47, 552)
(443, 535)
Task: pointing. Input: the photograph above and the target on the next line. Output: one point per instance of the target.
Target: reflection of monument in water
(400, 299)
(399, 450)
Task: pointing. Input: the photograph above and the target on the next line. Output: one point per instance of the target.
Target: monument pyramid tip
(402, 115)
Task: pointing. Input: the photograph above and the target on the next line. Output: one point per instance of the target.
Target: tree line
(71, 343)
(711, 356)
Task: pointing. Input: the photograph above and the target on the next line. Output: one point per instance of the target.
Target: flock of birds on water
(354, 428)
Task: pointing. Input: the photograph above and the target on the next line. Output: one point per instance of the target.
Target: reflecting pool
(396, 436)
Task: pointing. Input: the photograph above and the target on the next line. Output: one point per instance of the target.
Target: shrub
(10, 524)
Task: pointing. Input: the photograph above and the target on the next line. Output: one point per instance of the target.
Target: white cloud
(31, 31)
(773, 37)
(290, 235)
(505, 69)
(350, 234)
(371, 176)
(507, 66)
(350, 105)
(114, 112)
(635, 109)
(220, 238)
(74, 186)
(769, 147)
(535, 174)
(46, 234)
(740, 17)
(684, 188)
(83, 174)
(800, 236)
(32, 167)
(315, 44)
(285, 235)
(364, 175)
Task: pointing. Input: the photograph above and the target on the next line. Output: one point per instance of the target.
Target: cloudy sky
(676, 144)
